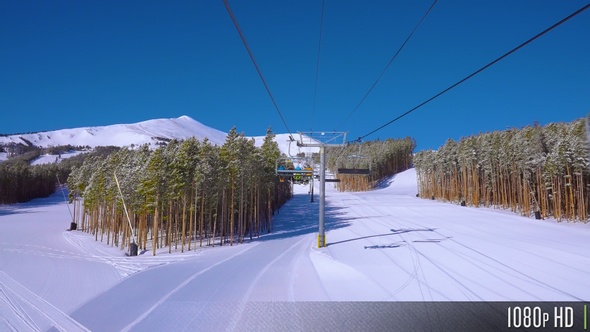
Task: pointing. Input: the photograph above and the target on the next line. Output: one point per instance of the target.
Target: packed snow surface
(383, 245)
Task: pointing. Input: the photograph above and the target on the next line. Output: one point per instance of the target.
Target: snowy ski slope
(383, 245)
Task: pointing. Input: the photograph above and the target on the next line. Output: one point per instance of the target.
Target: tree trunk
(155, 228)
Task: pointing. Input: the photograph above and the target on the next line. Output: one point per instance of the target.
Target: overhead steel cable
(233, 18)
(389, 63)
(317, 66)
(479, 70)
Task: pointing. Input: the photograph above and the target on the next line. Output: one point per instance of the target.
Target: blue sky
(67, 64)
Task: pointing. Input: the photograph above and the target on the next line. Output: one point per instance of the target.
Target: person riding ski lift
(297, 176)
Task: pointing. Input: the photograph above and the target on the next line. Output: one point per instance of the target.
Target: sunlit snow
(383, 245)
(145, 132)
(52, 158)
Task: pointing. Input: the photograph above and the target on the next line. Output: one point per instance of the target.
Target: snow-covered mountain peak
(186, 117)
(150, 131)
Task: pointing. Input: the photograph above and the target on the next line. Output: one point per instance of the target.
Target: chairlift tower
(322, 140)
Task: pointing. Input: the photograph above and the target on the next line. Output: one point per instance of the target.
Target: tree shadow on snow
(57, 197)
(300, 216)
(10, 209)
(385, 182)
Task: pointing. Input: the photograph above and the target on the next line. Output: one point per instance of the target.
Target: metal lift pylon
(322, 140)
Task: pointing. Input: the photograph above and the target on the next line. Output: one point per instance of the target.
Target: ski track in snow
(415, 254)
(491, 270)
(183, 284)
(124, 265)
(495, 268)
(21, 300)
(415, 272)
(234, 322)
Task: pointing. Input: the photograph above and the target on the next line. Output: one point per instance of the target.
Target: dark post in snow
(325, 139)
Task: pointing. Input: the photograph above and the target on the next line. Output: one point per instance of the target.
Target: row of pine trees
(181, 196)
(20, 181)
(535, 170)
(380, 158)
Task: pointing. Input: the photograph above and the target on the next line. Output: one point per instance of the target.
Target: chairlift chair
(297, 169)
(356, 164)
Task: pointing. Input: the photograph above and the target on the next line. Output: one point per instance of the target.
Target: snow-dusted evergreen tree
(182, 172)
(230, 160)
(533, 170)
(181, 191)
(151, 186)
(208, 187)
(274, 193)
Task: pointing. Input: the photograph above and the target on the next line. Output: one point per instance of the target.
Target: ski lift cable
(234, 20)
(479, 70)
(317, 66)
(389, 64)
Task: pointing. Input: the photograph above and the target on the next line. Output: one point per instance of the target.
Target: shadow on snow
(299, 216)
(393, 232)
(18, 208)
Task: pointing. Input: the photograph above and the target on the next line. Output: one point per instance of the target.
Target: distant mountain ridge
(151, 132)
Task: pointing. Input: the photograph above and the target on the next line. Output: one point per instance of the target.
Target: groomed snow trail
(383, 245)
(210, 290)
(422, 250)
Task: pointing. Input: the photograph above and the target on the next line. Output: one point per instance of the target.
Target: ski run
(383, 245)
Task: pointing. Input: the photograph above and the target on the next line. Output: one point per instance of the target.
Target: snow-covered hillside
(51, 158)
(150, 132)
(383, 245)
